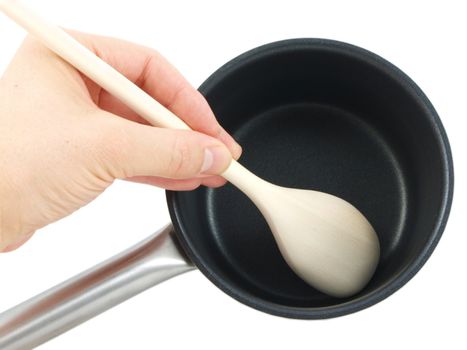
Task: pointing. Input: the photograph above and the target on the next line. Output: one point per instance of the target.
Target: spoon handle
(79, 56)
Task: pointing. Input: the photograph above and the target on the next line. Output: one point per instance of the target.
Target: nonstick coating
(326, 116)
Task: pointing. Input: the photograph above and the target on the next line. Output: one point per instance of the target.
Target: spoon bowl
(324, 239)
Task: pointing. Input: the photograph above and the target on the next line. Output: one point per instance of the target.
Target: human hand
(64, 140)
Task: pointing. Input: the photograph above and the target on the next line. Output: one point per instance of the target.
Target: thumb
(134, 149)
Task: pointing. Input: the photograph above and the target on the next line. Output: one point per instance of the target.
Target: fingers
(127, 149)
(214, 181)
(168, 184)
(180, 185)
(155, 75)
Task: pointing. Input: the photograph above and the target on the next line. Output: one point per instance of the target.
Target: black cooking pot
(309, 113)
(328, 116)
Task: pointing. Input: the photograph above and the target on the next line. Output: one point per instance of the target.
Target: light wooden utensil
(324, 239)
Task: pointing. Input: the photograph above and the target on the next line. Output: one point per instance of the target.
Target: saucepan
(309, 113)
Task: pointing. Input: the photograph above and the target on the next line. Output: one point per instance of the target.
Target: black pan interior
(327, 116)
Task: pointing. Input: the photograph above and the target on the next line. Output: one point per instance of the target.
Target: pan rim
(404, 276)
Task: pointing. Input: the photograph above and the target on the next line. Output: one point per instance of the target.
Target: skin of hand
(64, 140)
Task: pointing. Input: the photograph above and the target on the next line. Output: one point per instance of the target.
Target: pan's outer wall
(182, 228)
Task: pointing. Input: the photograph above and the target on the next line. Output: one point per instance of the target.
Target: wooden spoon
(324, 239)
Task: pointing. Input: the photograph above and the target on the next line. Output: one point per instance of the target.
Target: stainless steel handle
(55, 311)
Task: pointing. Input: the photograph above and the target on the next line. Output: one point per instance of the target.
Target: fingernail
(208, 160)
(236, 149)
(216, 160)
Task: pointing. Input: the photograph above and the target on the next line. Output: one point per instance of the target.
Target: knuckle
(31, 42)
(34, 46)
(176, 96)
(110, 146)
(181, 158)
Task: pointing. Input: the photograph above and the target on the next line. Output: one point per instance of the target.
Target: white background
(426, 39)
